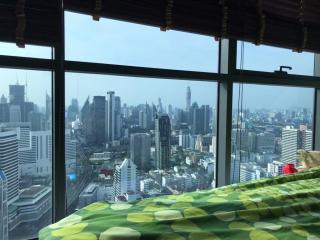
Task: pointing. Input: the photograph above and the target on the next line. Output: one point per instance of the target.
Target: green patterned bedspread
(285, 207)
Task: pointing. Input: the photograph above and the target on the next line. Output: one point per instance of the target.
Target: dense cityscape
(119, 152)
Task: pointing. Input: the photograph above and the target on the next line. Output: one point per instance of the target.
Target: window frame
(227, 75)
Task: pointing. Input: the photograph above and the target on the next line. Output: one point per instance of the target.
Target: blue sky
(110, 41)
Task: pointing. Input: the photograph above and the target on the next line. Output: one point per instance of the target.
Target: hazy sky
(110, 41)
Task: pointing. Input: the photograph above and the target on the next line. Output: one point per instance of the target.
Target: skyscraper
(304, 138)
(48, 107)
(9, 162)
(3, 207)
(99, 114)
(15, 113)
(118, 118)
(125, 178)
(140, 144)
(71, 152)
(160, 106)
(17, 94)
(201, 119)
(188, 99)
(42, 145)
(162, 140)
(289, 145)
(111, 116)
(206, 118)
(87, 121)
(4, 112)
(3, 99)
(73, 110)
(142, 119)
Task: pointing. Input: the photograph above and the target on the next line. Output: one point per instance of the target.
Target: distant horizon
(125, 43)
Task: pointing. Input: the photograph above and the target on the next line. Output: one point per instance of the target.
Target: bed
(286, 207)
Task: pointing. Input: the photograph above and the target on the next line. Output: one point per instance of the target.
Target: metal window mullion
(58, 93)
(316, 110)
(227, 65)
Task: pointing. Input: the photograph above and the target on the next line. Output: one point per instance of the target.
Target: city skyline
(255, 97)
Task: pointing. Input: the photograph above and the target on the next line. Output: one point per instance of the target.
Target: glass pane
(116, 42)
(159, 135)
(269, 59)
(10, 49)
(270, 124)
(25, 153)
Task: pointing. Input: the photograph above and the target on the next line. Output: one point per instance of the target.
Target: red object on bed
(289, 168)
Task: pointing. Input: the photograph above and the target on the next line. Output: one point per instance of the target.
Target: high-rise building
(9, 162)
(3, 99)
(140, 144)
(111, 118)
(26, 108)
(25, 153)
(145, 117)
(4, 112)
(235, 168)
(15, 113)
(142, 119)
(160, 106)
(87, 122)
(186, 141)
(118, 118)
(42, 145)
(73, 110)
(99, 114)
(289, 145)
(188, 99)
(17, 94)
(206, 119)
(162, 141)
(201, 119)
(3, 207)
(304, 138)
(37, 120)
(265, 142)
(125, 178)
(71, 152)
(48, 108)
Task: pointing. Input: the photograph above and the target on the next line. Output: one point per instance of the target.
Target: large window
(117, 42)
(132, 138)
(270, 125)
(25, 152)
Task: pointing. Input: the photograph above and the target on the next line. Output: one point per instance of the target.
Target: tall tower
(17, 94)
(117, 117)
(188, 98)
(48, 108)
(111, 117)
(3, 207)
(162, 140)
(99, 114)
(140, 144)
(125, 178)
(289, 145)
(9, 162)
(87, 122)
